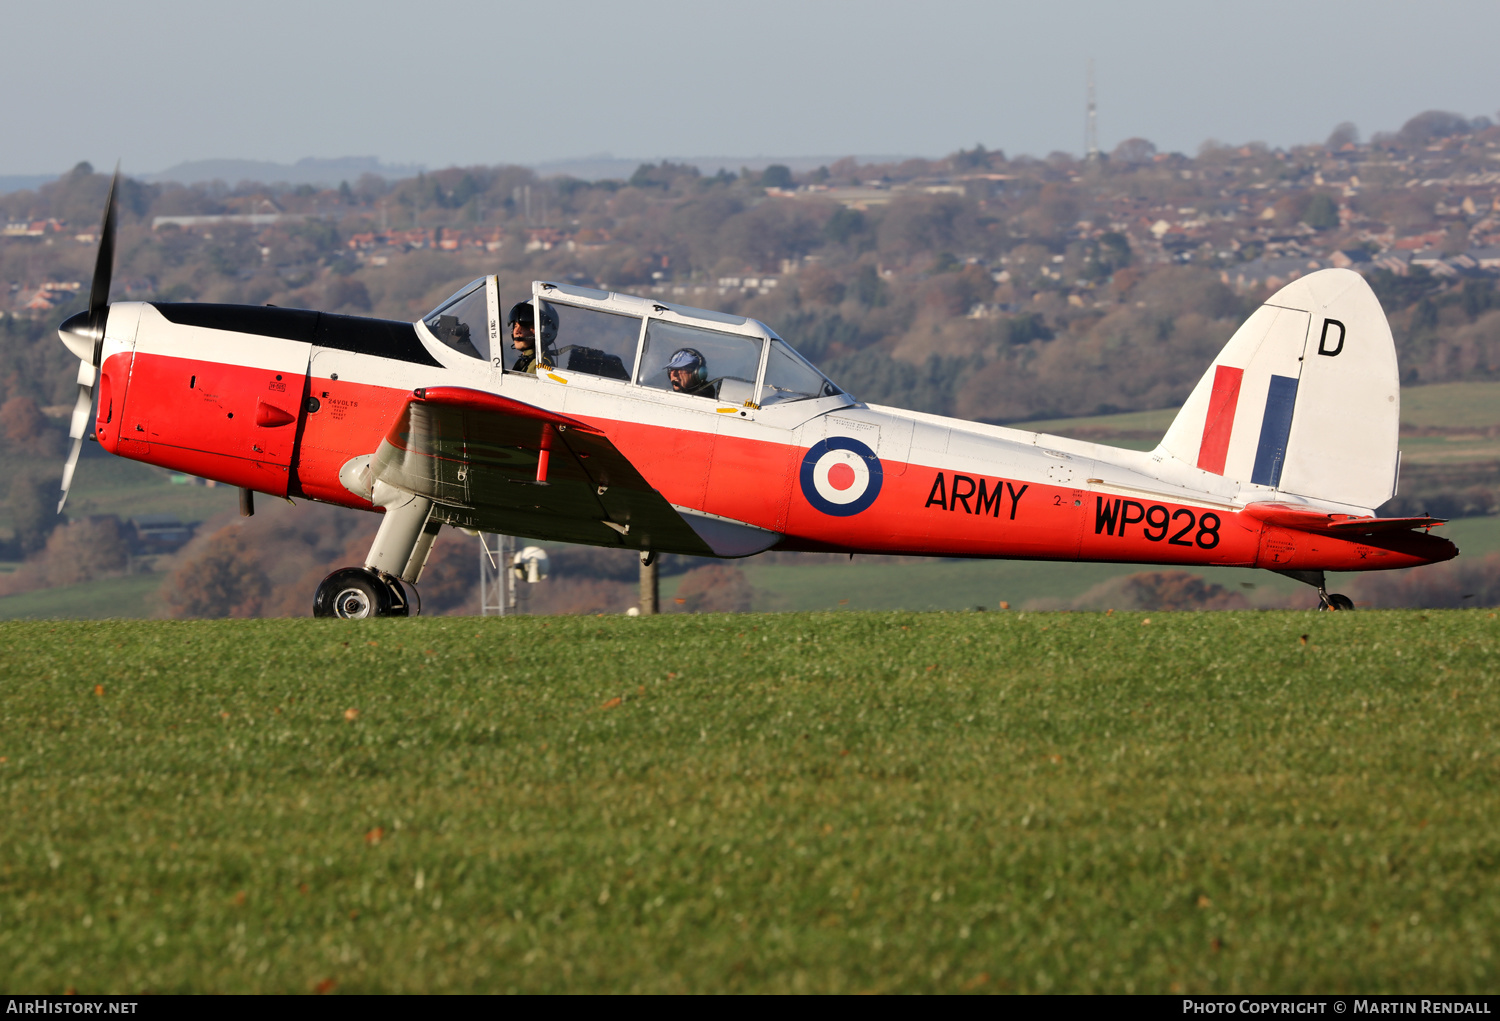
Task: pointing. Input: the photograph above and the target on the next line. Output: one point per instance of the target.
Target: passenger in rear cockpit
(688, 371)
(523, 336)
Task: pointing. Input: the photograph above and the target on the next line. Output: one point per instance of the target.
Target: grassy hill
(1173, 803)
(836, 586)
(1451, 405)
(970, 584)
(1461, 412)
(131, 596)
(1450, 445)
(105, 484)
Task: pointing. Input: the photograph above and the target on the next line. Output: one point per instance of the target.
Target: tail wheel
(354, 594)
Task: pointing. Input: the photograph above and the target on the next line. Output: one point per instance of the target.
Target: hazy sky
(440, 82)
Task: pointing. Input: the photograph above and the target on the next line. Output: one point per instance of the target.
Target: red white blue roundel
(841, 476)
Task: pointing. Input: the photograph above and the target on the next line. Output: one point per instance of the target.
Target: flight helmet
(521, 312)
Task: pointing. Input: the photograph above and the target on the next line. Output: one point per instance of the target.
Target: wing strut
(544, 454)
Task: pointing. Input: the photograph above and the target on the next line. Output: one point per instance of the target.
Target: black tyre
(352, 593)
(1336, 601)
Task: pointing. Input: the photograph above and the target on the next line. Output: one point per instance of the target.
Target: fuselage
(283, 401)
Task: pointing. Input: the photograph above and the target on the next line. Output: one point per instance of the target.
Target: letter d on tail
(1323, 348)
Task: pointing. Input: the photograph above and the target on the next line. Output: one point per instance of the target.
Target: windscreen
(460, 321)
(790, 377)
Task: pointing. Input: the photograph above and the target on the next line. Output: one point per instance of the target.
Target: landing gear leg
(399, 553)
(1326, 600)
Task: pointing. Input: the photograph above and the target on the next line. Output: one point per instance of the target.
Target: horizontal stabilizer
(1305, 519)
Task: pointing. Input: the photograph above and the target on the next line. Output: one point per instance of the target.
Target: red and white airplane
(1276, 461)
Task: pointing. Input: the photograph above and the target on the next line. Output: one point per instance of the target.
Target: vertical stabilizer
(1304, 399)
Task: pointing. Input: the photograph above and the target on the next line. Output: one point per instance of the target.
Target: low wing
(476, 455)
(1307, 520)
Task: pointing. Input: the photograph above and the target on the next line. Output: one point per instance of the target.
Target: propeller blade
(98, 313)
(68, 469)
(83, 410)
(104, 263)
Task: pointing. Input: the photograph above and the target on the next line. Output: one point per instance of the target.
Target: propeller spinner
(83, 334)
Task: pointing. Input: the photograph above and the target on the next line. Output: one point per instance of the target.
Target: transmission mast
(497, 581)
(1091, 127)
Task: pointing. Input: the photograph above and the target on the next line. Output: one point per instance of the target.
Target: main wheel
(354, 594)
(1336, 601)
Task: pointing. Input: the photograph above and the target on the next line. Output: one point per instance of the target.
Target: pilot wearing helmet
(688, 372)
(522, 322)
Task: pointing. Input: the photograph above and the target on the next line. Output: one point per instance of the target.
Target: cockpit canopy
(696, 352)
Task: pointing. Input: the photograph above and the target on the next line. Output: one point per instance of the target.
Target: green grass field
(1235, 802)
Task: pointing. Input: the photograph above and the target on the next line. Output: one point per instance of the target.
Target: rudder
(1304, 399)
